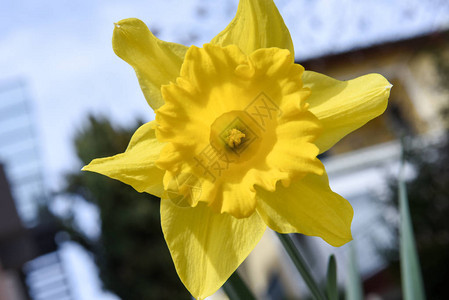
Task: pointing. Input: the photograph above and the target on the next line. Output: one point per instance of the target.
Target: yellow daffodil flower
(234, 145)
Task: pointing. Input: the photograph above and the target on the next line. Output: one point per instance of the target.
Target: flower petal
(257, 24)
(207, 247)
(295, 151)
(344, 106)
(307, 206)
(220, 89)
(136, 165)
(156, 62)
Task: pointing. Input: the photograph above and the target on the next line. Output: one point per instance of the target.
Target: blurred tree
(428, 194)
(131, 253)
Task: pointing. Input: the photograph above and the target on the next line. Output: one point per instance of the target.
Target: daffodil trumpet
(234, 145)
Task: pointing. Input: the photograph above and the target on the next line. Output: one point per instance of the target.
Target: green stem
(412, 282)
(301, 265)
(236, 288)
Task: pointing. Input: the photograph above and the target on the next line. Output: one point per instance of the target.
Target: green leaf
(354, 289)
(412, 283)
(300, 265)
(331, 284)
(236, 288)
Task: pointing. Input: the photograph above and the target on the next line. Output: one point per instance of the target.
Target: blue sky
(63, 51)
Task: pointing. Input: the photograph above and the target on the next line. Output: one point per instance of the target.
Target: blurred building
(19, 151)
(11, 286)
(30, 267)
(360, 165)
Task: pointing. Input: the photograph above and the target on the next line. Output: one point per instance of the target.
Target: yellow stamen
(234, 138)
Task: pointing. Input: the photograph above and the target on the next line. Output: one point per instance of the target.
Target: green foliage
(428, 194)
(412, 286)
(354, 288)
(236, 288)
(331, 279)
(132, 256)
(301, 265)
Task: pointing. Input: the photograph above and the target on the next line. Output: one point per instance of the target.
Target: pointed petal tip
(122, 24)
(213, 246)
(263, 20)
(87, 167)
(156, 62)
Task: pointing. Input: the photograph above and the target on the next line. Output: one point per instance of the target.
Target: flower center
(234, 138)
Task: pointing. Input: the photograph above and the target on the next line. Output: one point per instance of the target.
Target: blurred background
(65, 98)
